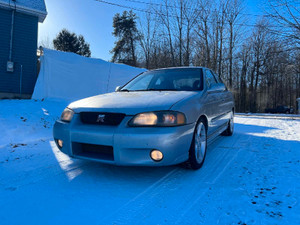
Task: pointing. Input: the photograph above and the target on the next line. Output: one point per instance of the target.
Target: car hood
(131, 103)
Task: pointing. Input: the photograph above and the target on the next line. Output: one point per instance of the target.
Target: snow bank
(70, 77)
(267, 115)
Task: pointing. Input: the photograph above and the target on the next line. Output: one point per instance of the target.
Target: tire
(198, 147)
(230, 126)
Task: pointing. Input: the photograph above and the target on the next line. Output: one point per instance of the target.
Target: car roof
(181, 67)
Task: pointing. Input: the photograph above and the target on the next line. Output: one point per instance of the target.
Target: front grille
(103, 152)
(99, 118)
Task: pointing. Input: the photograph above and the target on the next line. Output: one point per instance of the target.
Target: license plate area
(102, 152)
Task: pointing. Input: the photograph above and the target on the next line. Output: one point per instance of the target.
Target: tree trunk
(133, 52)
(207, 52)
(230, 54)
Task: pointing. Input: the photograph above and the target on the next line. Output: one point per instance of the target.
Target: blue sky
(93, 20)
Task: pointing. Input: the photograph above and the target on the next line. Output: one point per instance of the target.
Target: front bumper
(131, 145)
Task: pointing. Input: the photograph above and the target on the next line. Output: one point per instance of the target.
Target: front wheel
(198, 148)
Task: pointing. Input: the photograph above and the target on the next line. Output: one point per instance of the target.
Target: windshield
(167, 80)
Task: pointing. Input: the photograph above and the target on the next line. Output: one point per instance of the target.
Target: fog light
(60, 143)
(156, 155)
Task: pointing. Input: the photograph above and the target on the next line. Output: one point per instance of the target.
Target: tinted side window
(210, 79)
(218, 79)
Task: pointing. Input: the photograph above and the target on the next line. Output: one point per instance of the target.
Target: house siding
(23, 52)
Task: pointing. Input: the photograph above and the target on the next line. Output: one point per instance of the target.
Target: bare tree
(148, 32)
(165, 17)
(233, 11)
(245, 61)
(191, 13)
(259, 63)
(203, 34)
(259, 37)
(287, 15)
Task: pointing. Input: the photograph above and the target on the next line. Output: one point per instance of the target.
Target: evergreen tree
(70, 42)
(126, 32)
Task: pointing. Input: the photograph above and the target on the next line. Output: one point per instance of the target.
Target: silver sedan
(161, 117)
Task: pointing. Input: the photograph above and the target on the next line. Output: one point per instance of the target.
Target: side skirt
(211, 137)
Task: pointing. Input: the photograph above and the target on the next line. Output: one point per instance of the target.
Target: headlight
(162, 119)
(67, 115)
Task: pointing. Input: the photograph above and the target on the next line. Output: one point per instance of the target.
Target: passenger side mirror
(118, 88)
(219, 87)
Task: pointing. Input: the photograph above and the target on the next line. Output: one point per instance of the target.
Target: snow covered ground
(249, 178)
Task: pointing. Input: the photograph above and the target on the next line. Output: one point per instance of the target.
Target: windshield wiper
(125, 90)
(155, 89)
(149, 89)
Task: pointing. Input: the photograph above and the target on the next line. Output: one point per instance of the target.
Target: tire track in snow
(190, 181)
(154, 186)
(215, 168)
(222, 168)
(192, 208)
(169, 190)
(144, 206)
(248, 155)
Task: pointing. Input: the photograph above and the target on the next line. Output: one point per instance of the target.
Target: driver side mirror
(118, 88)
(217, 88)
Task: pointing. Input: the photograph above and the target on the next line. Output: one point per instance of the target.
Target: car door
(226, 102)
(212, 101)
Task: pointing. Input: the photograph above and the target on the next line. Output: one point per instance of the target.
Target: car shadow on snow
(77, 169)
(249, 128)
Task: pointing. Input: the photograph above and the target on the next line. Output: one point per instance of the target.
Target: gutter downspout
(11, 34)
(21, 80)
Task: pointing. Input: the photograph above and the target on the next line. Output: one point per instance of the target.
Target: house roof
(31, 7)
